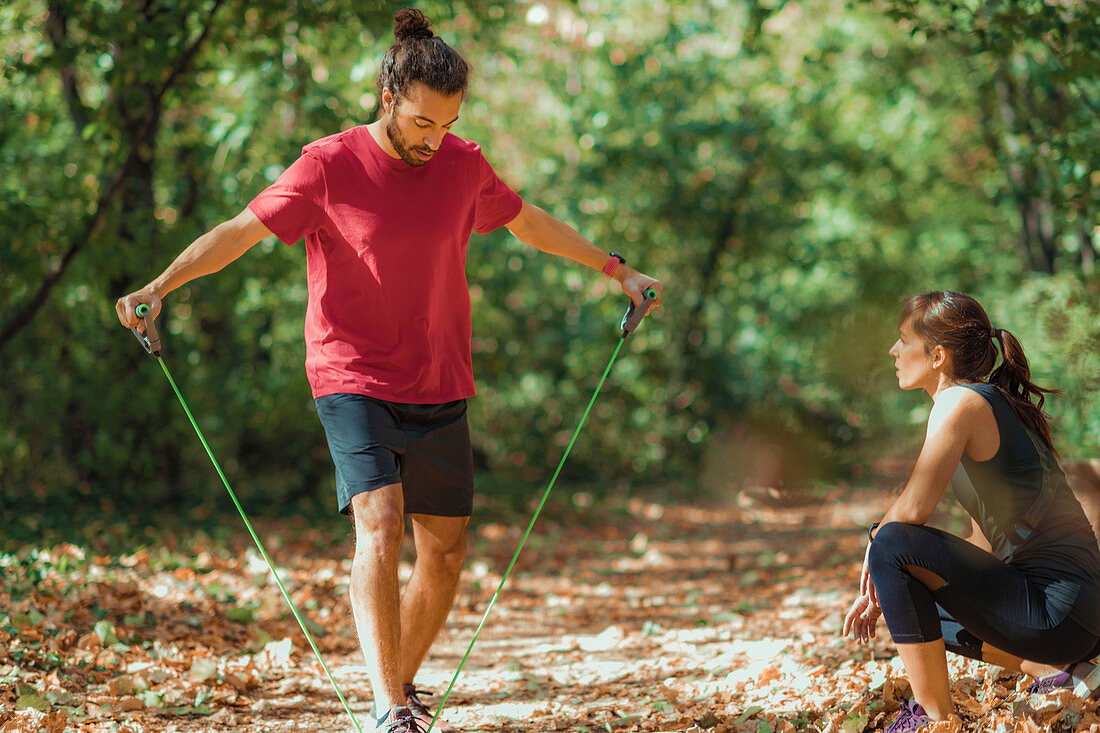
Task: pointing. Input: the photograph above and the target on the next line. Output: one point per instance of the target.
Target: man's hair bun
(419, 55)
(411, 24)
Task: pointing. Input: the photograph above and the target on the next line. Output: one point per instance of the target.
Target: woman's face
(916, 368)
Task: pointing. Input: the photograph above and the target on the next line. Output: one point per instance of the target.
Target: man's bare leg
(430, 593)
(379, 520)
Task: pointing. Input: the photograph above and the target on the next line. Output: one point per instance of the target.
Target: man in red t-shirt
(386, 211)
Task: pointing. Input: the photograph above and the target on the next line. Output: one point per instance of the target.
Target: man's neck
(377, 130)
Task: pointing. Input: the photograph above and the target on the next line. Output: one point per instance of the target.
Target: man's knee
(442, 559)
(450, 561)
(443, 553)
(379, 524)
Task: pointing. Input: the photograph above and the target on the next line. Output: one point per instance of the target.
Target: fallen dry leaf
(636, 623)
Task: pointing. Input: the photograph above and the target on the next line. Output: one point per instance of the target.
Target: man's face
(418, 121)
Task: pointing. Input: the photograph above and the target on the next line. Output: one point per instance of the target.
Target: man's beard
(401, 146)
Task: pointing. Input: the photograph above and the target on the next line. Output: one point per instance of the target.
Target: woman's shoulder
(961, 403)
(964, 394)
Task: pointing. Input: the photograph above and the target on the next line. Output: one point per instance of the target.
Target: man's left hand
(635, 284)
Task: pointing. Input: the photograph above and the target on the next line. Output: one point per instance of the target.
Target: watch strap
(613, 261)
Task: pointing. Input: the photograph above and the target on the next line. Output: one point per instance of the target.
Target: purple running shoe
(911, 718)
(1050, 683)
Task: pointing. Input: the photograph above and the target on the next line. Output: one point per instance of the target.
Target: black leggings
(981, 600)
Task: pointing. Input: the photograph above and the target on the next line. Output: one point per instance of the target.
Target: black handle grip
(150, 339)
(635, 314)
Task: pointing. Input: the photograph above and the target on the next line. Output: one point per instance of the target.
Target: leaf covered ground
(639, 617)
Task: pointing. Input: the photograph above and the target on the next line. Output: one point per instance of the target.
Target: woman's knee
(895, 545)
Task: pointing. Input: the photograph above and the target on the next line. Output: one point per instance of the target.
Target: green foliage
(790, 171)
(1058, 323)
(1036, 68)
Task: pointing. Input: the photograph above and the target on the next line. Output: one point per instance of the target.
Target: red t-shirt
(389, 307)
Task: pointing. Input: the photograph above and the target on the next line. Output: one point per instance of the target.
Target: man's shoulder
(337, 144)
(460, 147)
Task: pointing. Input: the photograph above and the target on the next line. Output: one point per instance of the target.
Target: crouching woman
(1023, 591)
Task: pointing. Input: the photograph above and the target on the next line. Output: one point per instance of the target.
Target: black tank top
(1058, 550)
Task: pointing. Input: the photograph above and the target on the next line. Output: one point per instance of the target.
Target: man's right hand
(126, 308)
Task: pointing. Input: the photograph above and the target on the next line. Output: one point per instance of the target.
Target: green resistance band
(151, 343)
(629, 322)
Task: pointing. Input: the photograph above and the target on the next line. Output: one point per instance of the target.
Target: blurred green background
(791, 170)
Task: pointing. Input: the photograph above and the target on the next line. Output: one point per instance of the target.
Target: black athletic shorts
(425, 448)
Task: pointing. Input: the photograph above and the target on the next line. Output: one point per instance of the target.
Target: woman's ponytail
(1013, 378)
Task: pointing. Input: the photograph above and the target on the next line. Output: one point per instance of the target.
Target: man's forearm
(547, 234)
(210, 253)
(552, 236)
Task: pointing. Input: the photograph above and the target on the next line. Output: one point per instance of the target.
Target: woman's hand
(866, 585)
(863, 615)
(862, 618)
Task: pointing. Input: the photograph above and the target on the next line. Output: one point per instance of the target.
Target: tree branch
(25, 314)
(1088, 252)
(185, 58)
(719, 245)
(57, 27)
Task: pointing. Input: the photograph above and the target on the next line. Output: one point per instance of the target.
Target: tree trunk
(1088, 252)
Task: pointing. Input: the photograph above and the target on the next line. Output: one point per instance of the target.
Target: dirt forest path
(655, 618)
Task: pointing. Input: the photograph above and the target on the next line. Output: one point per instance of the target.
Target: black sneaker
(398, 720)
(423, 713)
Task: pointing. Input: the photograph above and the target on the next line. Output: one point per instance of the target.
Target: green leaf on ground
(105, 633)
(749, 713)
(855, 722)
(241, 614)
(204, 668)
(32, 702)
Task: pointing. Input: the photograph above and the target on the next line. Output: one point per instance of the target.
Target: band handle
(635, 314)
(150, 339)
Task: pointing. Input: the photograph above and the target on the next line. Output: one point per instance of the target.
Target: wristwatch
(613, 262)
